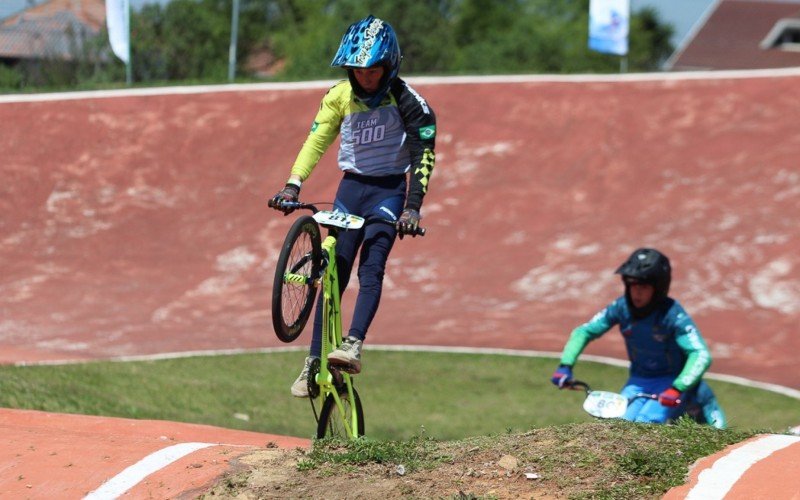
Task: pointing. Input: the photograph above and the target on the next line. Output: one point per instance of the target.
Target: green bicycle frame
(332, 336)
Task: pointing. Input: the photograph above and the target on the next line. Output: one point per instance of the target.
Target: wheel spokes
(297, 281)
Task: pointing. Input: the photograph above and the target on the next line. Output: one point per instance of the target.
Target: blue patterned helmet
(370, 42)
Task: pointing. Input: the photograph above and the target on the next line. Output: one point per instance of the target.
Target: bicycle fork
(332, 381)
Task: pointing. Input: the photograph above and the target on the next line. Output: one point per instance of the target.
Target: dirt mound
(610, 460)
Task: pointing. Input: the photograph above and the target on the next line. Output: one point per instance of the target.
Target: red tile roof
(52, 29)
(731, 35)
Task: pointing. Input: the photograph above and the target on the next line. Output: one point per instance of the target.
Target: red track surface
(45, 455)
(138, 224)
(746, 471)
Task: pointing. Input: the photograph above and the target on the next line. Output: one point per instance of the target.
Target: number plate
(603, 404)
(338, 219)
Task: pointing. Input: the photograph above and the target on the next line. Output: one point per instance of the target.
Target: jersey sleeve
(324, 130)
(420, 125)
(698, 357)
(585, 333)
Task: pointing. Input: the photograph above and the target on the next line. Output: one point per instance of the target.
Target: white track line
(716, 482)
(416, 80)
(134, 474)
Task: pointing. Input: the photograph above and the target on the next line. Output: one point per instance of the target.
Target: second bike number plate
(338, 219)
(604, 404)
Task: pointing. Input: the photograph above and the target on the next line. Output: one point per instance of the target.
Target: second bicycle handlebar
(284, 205)
(579, 385)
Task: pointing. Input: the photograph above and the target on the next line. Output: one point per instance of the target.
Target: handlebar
(289, 206)
(579, 385)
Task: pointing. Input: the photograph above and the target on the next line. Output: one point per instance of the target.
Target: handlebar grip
(283, 204)
(419, 231)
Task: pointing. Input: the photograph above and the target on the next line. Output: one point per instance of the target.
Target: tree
(188, 40)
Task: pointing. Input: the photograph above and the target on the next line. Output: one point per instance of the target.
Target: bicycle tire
(293, 299)
(330, 422)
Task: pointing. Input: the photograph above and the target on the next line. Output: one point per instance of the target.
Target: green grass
(438, 395)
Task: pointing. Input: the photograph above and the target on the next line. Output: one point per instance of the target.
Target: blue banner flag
(609, 24)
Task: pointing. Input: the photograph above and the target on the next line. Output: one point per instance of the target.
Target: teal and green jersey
(665, 343)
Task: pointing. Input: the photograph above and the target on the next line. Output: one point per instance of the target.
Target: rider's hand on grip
(408, 223)
(670, 397)
(288, 193)
(562, 376)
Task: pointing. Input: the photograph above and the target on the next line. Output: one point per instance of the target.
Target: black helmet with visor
(647, 266)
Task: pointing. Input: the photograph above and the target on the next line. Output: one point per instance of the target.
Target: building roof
(53, 29)
(736, 34)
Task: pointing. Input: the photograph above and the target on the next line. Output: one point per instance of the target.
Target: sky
(682, 14)
(8, 7)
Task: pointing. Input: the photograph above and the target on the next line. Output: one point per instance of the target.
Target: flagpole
(234, 41)
(129, 63)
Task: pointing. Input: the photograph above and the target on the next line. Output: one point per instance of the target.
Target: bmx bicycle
(306, 263)
(605, 404)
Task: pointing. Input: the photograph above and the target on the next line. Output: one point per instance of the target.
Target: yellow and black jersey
(394, 138)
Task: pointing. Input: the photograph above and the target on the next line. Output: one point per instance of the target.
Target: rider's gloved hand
(670, 397)
(562, 376)
(408, 223)
(288, 193)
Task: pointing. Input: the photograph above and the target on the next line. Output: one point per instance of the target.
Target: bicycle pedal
(343, 367)
(311, 380)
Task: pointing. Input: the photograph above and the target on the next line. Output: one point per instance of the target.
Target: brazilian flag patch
(314, 126)
(428, 132)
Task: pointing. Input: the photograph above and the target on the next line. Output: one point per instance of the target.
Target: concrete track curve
(134, 222)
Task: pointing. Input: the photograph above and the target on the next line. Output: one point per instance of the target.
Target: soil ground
(604, 459)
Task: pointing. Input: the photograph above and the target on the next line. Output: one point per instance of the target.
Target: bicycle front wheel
(331, 423)
(293, 289)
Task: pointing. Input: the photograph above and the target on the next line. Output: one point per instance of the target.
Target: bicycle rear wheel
(293, 289)
(331, 423)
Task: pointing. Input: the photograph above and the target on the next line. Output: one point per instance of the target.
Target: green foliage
(306, 38)
(189, 41)
(10, 78)
(649, 41)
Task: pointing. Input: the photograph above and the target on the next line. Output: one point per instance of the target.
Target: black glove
(408, 223)
(288, 193)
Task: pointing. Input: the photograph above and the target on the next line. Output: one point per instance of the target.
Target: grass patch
(413, 454)
(438, 395)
